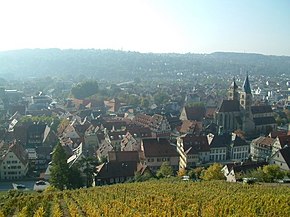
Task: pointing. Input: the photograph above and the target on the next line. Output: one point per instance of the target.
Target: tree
(88, 165)
(196, 173)
(145, 102)
(59, 172)
(267, 173)
(142, 177)
(165, 170)
(75, 178)
(161, 97)
(85, 89)
(213, 173)
(272, 172)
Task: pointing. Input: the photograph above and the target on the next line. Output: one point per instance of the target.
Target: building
(121, 167)
(159, 150)
(113, 172)
(13, 161)
(193, 113)
(234, 171)
(193, 150)
(261, 148)
(281, 158)
(239, 149)
(239, 112)
(158, 124)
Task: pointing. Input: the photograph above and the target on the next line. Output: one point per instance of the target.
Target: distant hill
(109, 64)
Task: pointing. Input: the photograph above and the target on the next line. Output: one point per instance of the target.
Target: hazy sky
(196, 26)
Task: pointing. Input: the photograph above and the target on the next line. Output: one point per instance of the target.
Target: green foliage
(196, 104)
(74, 178)
(165, 170)
(272, 172)
(258, 174)
(267, 173)
(213, 173)
(87, 165)
(196, 173)
(161, 97)
(142, 177)
(287, 173)
(145, 102)
(63, 176)
(59, 172)
(53, 122)
(85, 89)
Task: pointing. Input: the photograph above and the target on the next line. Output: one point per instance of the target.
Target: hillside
(111, 64)
(154, 198)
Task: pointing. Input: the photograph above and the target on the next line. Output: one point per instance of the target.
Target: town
(112, 132)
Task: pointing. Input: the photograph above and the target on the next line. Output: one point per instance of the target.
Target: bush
(213, 173)
(165, 171)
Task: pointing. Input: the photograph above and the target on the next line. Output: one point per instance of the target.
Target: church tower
(233, 93)
(246, 95)
(246, 104)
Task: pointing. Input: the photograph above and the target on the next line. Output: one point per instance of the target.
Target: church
(239, 112)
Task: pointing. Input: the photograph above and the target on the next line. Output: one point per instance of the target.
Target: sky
(158, 26)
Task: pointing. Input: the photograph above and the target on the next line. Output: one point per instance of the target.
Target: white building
(13, 161)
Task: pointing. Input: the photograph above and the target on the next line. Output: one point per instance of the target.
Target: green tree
(85, 89)
(165, 170)
(142, 177)
(134, 100)
(161, 98)
(272, 172)
(74, 178)
(59, 172)
(213, 173)
(196, 173)
(258, 174)
(88, 165)
(145, 102)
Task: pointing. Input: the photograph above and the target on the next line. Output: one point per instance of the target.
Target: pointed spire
(246, 85)
(234, 85)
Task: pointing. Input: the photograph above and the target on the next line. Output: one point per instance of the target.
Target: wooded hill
(112, 64)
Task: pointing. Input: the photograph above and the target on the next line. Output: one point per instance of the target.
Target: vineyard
(154, 198)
